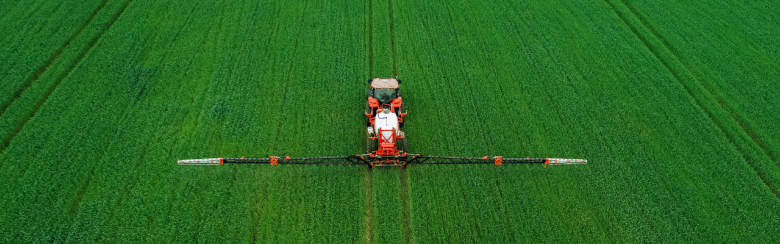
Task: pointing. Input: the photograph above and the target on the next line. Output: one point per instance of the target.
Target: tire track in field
(700, 100)
(392, 35)
(368, 176)
(41, 69)
(370, 39)
(406, 210)
(91, 44)
(743, 125)
(76, 204)
(368, 205)
(449, 14)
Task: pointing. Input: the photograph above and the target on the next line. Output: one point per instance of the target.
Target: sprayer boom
(386, 142)
(376, 160)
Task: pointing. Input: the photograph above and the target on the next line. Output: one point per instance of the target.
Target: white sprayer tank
(386, 121)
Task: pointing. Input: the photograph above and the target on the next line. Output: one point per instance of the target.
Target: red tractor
(384, 117)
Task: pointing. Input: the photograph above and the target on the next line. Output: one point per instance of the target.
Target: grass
(678, 131)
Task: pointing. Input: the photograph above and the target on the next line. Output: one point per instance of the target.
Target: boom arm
(367, 159)
(275, 160)
(497, 160)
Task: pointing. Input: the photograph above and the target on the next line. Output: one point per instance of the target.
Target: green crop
(673, 104)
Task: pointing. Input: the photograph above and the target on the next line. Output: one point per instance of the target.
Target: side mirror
(399, 81)
(369, 81)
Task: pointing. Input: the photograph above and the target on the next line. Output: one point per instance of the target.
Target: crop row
(170, 81)
(534, 79)
(147, 83)
(34, 33)
(730, 52)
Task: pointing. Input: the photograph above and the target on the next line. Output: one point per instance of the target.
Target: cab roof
(387, 83)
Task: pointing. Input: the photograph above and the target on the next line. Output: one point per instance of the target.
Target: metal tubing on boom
(497, 160)
(366, 159)
(275, 160)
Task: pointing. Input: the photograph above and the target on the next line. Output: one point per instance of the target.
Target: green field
(674, 104)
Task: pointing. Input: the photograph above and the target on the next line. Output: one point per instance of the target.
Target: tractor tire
(399, 92)
(369, 143)
(368, 111)
(401, 110)
(401, 144)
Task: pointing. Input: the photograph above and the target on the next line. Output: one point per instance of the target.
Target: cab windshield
(384, 95)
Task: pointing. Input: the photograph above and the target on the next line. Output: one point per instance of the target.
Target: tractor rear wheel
(401, 110)
(368, 121)
(368, 144)
(401, 144)
(368, 111)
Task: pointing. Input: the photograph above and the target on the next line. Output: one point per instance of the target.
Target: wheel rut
(368, 206)
(41, 69)
(370, 39)
(710, 102)
(392, 36)
(75, 205)
(406, 211)
(368, 176)
(743, 125)
(47, 93)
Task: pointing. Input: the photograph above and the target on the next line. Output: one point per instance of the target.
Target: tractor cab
(385, 93)
(385, 90)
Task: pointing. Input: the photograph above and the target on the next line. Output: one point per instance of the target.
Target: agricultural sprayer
(385, 114)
